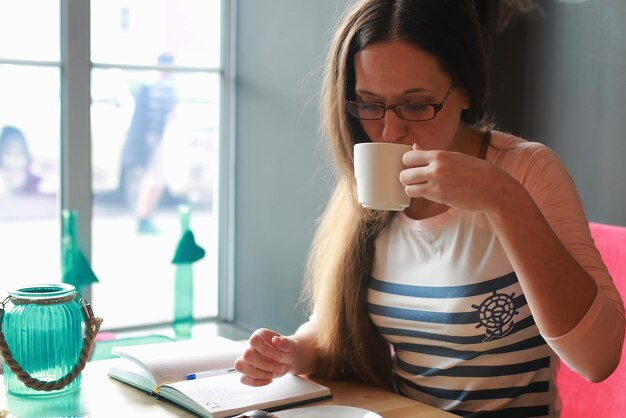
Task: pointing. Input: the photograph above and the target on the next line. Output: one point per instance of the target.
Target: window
(153, 93)
(30, 127)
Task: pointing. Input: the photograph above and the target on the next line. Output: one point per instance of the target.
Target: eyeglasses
(416, 112)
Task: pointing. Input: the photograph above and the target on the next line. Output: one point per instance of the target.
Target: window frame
(75, 193)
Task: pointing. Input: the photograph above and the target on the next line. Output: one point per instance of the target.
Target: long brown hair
(340, 260)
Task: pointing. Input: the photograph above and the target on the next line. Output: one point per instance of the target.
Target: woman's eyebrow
(416, 90)
(365, 92)
(405, 92)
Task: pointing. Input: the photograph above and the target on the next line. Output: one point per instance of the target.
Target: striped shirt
(444, 294)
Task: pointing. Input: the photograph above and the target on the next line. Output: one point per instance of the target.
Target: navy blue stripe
(470, 395)
(471, 317)
(445, 291)
(477, 371)
(456, 339)
(435, 350)
(424, 316)
(519, 412)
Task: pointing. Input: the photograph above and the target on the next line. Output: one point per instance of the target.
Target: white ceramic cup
(377, 168)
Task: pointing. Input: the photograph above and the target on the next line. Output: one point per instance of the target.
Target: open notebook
(163, 369)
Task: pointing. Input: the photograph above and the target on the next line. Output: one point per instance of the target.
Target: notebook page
(173, 361)
(227, 393)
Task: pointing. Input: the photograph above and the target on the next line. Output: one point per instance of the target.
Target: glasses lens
(416, 111)
(365, 110)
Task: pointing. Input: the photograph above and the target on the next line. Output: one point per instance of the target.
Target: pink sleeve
(593, 347)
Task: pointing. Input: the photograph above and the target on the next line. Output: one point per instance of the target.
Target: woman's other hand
(268, 355)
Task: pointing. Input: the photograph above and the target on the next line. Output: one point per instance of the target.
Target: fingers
(426, 167)
(419, 175)
(424, 175)
(418, 165)
(413, 176)
(417, 157)
(421, 190)
(268, 355)
(247, 380)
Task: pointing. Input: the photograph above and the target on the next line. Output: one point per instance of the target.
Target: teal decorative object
(76, 269)
(41, 339)
(187, 252)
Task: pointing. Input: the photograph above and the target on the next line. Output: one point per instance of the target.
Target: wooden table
(101, 396)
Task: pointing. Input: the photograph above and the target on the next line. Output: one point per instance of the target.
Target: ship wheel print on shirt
(496, 315)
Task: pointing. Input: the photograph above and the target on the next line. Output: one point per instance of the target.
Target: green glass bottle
(44, 333)
(187, 252)
(76, 268)
(183, 284)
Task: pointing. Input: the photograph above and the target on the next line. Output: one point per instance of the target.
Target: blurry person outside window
(154, 105)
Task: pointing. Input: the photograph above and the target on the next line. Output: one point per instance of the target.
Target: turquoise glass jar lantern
(41, 339)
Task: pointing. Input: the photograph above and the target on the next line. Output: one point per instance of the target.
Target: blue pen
(209, 373)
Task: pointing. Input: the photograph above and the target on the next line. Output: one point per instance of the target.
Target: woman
(468, 298)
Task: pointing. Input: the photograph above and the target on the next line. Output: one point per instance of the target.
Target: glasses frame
(437, 107)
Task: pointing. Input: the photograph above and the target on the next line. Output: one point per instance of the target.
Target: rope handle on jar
(92, 326)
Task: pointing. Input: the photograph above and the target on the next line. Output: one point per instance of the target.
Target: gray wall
(283, 174)
(560, 79)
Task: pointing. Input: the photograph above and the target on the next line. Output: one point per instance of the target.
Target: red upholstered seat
(607, 399)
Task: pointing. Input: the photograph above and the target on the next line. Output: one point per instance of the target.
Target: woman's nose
(394, 128)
